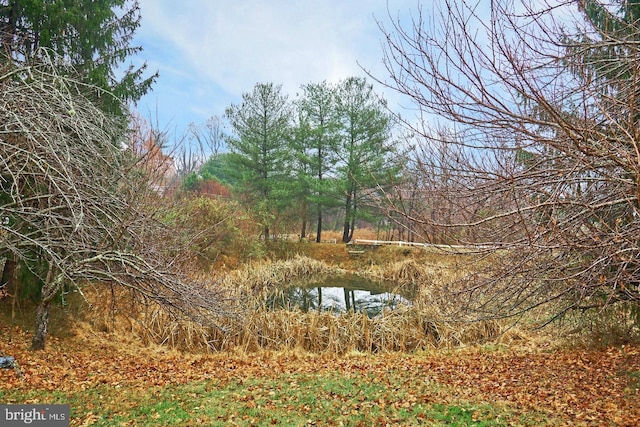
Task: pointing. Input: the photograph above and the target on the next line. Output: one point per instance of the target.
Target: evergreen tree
(262, 125)
(91, 39)
(220, 167)
(318, 142)
(300, 188)
(609, 51)
(365, 130)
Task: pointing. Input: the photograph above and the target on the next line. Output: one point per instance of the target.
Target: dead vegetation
(421, 325)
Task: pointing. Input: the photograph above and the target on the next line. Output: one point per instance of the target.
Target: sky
(209, 52)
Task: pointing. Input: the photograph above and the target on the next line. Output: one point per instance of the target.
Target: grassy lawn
(111, 382)
(323, 398)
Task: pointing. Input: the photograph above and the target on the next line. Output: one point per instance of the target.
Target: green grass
(357, 399)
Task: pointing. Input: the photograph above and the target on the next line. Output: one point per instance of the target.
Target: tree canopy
(317, 145)
(364, 147)
(91, 39)
(540, 110)
(262, 125)
(331, 147)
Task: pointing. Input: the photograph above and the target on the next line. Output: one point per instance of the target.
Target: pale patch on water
(340, 294)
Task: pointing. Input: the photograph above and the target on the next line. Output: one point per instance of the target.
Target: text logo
(34, 415)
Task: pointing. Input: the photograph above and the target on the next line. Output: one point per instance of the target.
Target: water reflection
(339, 294)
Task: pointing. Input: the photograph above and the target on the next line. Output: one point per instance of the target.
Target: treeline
(293, 162)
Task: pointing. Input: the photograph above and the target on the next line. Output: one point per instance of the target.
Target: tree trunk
(319, 229)
(303, 232)
(49, 291)
(347, 214)
(353, 226)
(353, 220)
(10, 277)
(42, 325)
(347, 299)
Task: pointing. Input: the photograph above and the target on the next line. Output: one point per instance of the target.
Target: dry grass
(420, 325)
(416, 273)
(253, 327)
(423, 325)
(403, 329)
(267, 275)
(359, 233)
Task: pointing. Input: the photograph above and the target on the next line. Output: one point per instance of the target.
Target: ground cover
(108, 377)
(112, 382)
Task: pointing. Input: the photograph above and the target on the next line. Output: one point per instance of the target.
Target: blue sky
(209, 52)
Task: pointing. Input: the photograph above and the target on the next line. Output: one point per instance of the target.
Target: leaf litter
(574, 386)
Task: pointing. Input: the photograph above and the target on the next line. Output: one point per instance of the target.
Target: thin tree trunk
(319, 229)
(320, 195)
(353, 219)
(303, 232)
(353, 227)
(347, 212)
(49, 291)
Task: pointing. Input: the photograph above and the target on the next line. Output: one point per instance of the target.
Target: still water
(340, 294)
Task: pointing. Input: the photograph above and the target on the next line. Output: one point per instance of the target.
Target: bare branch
(537, 152)
(77, 207)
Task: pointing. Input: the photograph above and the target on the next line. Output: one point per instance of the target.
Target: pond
(340, 294)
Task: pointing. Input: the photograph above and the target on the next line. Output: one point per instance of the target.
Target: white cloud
(212, 51)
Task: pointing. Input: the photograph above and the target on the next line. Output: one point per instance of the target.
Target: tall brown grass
(419, 325)
(407, 328)
(268, 275)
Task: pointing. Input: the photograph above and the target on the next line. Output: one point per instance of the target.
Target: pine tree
(318, 137)
(364, 149)
(262, 125)
(91, 39)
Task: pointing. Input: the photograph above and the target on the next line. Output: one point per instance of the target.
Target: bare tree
(147, 146)
(209, 136)
(541, 158)
(198, 144)
(73, 201)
